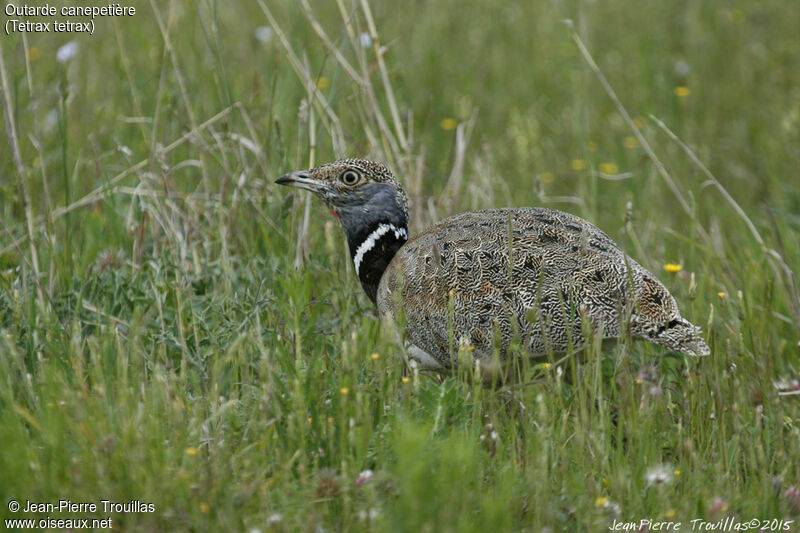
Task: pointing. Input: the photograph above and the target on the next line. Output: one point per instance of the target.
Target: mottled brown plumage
(482, 279)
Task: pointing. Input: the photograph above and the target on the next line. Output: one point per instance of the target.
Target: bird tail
(683, 336)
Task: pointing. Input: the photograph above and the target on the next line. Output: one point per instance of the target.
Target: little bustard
(483, 278)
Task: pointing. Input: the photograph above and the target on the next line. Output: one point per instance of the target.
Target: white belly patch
(425, 360)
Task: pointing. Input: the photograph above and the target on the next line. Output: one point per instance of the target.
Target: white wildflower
(370, 515)
(263, 34)
(365, 40)
(364, 477)
(682, 68)
(658, 475)
(67, 52)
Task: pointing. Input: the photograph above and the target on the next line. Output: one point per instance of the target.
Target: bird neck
(375, 220)
(372, 249)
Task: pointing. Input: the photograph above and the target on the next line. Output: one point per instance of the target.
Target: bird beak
(300, 180)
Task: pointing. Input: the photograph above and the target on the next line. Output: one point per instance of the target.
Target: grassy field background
(176, 329)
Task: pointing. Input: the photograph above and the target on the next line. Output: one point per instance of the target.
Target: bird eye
(350, 177)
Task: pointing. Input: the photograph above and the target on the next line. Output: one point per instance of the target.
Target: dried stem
(776, 260)
(629, 121)
(98, 193)
(13, 139)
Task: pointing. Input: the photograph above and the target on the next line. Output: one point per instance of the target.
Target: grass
(174, 329)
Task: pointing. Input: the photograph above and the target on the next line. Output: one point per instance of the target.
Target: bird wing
(481, 280)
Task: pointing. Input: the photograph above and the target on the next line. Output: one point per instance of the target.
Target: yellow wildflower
(448, 124)
(204, 508)
(631, 142)
(345, 391)
(673, 268)
(670, 513)
(599, 502)
(721, 295)
(677, 473)
(681, 91)
(578, 164)
(323, 83)
(608, 168)
(406, 379)
(375, 356)
(546, 365)
(191, 451)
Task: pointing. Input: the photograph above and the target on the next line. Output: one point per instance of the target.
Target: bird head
(371, 207)
(361, 193)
